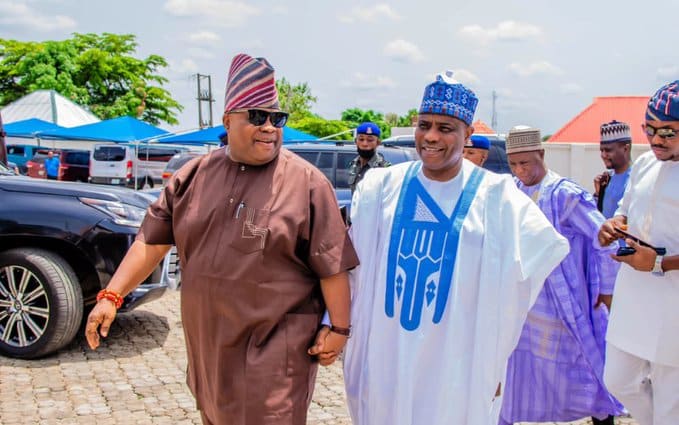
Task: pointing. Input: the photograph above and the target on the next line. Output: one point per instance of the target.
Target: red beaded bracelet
(112, 296)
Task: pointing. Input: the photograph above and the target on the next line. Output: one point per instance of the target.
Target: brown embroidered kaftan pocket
(252, 227)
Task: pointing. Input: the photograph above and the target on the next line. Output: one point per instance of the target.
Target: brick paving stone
(137, 376)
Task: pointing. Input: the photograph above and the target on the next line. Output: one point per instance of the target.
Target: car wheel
(145, 183)
(41, 303)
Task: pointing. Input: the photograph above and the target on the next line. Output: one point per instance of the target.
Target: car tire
(46, 314)
(145, 183)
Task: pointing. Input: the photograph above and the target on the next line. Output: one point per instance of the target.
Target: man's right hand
(608, 234)
(601, 179)
(99, 321)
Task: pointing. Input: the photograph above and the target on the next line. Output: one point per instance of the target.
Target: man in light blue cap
(367, 140)
(452, 257)
(476, 149)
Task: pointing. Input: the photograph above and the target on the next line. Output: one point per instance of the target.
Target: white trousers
(649, 391)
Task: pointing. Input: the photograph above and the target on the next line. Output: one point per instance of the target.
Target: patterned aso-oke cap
(523, 139)
(615, 131)
(664, 105)
(251, 84)
(478, 142)
(446, 96)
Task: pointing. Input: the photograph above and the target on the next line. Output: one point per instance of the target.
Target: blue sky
(545, 59)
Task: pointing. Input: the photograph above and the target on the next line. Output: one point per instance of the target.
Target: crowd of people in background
(461, 296)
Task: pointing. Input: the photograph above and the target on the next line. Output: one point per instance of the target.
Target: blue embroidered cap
(478, 141)
(664, 105)
(446, 96)
(368, 128)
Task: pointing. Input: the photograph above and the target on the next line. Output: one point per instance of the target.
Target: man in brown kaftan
(257, 229)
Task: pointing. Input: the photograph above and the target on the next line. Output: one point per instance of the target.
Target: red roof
(481, 127)
(584, 128)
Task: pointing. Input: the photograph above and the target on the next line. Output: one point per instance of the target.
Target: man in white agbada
(452, 258)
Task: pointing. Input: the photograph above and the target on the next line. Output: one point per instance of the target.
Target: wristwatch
(657, 266)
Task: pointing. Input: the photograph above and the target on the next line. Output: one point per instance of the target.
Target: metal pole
(3, 147)
(198, 97)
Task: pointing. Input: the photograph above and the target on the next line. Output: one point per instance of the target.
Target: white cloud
(403, 51)
(465, 77)
(20, 15)
(668, 72)
(571, 88)
(535, 68)
(370, 14)
(363, 82)
(504, 31)
(185, 66)
(200, 53)
(280, 9)
(204, 37)
(224, 13)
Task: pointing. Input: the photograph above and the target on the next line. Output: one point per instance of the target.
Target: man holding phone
(642, 356)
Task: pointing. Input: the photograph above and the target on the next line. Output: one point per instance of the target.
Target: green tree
(295, 99)
(355, 116)
(94, 70)
(407, 119)
(320, 127)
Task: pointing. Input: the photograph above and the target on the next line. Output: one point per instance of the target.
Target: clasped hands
(328, 346)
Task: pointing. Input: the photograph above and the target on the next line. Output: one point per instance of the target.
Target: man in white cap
(616, 148)
(452, 258)
(642, 357)
(556, 372)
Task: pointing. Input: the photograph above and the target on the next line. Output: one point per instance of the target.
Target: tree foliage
(94, 70)
(320, 127)
(295, 99)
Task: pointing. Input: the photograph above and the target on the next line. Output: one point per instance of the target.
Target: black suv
(497, 156)
(60, 243)
(333, 159)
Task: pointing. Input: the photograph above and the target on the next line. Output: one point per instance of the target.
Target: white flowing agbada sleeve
(521, 248)
(365, 233)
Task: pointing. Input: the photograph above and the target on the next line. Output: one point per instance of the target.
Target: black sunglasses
(665, 132)
(258, 117)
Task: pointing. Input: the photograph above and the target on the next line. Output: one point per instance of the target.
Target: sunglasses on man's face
(664, 132)
(258, 117)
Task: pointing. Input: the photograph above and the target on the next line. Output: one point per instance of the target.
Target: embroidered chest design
(422, 252)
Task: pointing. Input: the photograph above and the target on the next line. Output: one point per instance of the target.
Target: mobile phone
(625, 250)
(634, 238)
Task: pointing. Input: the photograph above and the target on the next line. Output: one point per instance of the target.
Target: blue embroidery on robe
(423, 249)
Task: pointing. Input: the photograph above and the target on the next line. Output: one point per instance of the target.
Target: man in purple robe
(556, 371)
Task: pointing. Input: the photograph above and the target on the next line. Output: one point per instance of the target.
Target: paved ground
(135, 377)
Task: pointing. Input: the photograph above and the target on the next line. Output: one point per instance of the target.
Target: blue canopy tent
(28, 128)
(211, 136)
(122, 129)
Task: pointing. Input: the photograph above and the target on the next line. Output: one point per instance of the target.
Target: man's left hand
(328, 346)
(642, 260)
